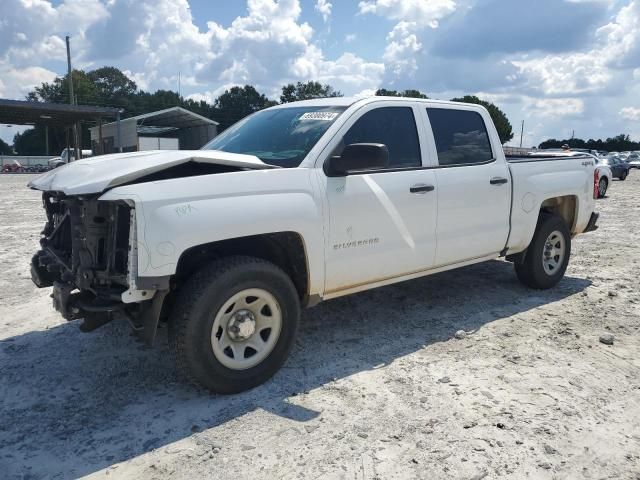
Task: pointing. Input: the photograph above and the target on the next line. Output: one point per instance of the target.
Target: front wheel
(234, 323)
(547, 257)
(624, 174)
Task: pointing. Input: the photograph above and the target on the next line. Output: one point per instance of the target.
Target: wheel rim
(246, 329)
(553, 253)
(602, 187)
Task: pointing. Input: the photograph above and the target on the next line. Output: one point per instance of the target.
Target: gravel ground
(378, 385)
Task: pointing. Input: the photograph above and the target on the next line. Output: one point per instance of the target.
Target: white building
(174, 128)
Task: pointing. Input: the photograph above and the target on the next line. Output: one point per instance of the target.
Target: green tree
(307, 91)
(238, 102)
(113, 88)
(112, 83)
(30, 142)
(5, 148)
(383, 92)
(619, 143)
(500, 120)
(57, 91)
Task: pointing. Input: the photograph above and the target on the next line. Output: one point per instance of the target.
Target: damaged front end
(89, 256)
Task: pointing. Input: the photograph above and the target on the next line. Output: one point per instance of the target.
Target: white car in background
(634, 160)
(605, 176)
(68, 156)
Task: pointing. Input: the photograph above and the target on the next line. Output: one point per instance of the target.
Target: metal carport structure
(191, 129)
(22, 112)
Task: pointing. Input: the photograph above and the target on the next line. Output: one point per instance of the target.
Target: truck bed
(544, 158)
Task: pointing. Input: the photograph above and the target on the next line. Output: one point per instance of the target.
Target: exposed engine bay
(88, 255)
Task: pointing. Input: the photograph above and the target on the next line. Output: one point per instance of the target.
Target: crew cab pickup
(296, 204)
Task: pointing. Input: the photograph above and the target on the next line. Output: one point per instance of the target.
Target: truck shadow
(75, 403)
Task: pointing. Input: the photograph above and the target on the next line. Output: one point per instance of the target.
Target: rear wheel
(602, 187)
(234, 323)
(547, 257)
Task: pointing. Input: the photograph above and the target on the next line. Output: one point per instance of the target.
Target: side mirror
(358, 156)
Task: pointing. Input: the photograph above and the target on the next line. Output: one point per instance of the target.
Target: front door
(380, 223)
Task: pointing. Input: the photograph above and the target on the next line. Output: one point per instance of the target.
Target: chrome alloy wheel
(554, 252)
(246, 329)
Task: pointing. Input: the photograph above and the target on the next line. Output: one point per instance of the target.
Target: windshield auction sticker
(319, 116)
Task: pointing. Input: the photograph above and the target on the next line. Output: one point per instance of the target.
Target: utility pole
(178, 86)
(72, 100)
(521, 133)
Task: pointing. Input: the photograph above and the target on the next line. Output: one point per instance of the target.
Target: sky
(562, 66)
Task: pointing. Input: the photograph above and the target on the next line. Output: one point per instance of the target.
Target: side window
(393, 126)
(461, 136)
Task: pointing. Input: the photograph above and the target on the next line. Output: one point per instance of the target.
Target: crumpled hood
(97, 174)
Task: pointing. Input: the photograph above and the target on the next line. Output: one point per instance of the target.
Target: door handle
(498, 181)
(421, 188)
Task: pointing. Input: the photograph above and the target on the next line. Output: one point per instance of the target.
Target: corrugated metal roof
(172, 117)
(21, 112)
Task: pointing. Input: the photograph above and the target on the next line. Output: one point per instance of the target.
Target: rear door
(473, 187)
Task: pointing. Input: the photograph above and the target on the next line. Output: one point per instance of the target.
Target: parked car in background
(15, 167)
(619, 168)
(605, 176)
(634, 160)
(67, 156)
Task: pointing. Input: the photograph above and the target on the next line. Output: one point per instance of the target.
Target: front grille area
(85, 244)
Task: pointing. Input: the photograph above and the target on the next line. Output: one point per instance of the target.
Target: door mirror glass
(358, 156)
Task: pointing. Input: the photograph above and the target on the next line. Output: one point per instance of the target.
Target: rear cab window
(461, 137)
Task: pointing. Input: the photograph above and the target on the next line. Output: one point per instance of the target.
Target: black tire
(623, 176)
(530, 269)
(602, 187)
(194, 311)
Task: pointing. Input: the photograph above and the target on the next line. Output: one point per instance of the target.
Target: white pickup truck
(293, 205)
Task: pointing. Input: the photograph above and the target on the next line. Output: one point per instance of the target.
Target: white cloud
(270, 47)
(323, 7)
(350, 37)
(622, 37)
(575, 74)
(591, 71)
(17, 82)
(630, 113)
(154, 41)
(35, 29)
(554, 107)
(422, 12)
(401, 49)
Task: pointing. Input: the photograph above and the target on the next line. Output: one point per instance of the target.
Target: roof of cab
(348, 101)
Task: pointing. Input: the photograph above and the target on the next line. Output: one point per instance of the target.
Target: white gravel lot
(377, 385)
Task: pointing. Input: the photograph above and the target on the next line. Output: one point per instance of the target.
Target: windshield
(282, 136)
